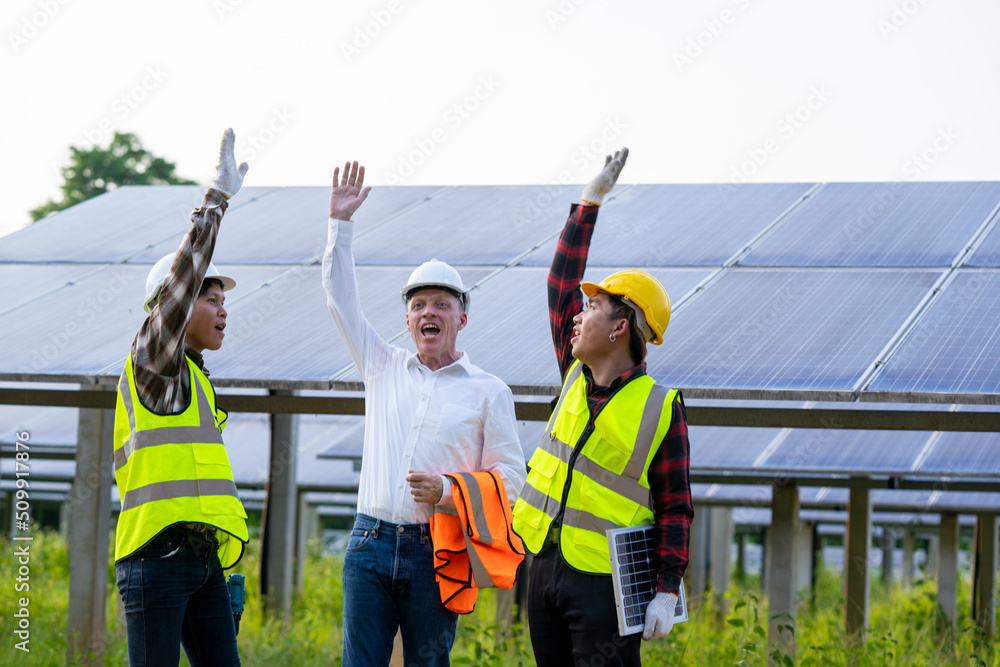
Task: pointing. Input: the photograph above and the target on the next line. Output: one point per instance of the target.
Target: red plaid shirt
(669, 485)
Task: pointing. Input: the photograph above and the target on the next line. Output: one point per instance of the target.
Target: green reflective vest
(174, 469)
(605, 482)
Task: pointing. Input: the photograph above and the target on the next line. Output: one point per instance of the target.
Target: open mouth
(429, 330)
(220, 327)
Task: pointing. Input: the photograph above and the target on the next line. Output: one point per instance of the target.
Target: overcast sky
(449, 92)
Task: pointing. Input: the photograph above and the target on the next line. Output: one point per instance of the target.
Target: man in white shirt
(426, 414)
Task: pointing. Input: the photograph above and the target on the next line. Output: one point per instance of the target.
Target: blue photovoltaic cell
(508, 332)
(955, 454)
(987, 253)
(289, 225)
(113, 226)
(774, 330)
(954, 348)
(880, 224)
(470, 225)
(83, 327)
(681, 225)
(22, 283)
(284, 331)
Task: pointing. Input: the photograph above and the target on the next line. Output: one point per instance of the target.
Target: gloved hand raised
(601, 185)
(659, 616)
(229, 178)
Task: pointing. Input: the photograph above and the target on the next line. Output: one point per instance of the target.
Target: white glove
(659, 616)
(604, 181)
(229, 178)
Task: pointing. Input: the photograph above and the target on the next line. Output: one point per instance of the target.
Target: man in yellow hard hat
(181, 522)
(615, 454)
(426, 413)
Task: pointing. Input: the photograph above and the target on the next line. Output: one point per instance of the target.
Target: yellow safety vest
(608, 486)
(174, 469)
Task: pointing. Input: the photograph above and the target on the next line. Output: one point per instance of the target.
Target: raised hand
(604, 181)
(348, 192)
(228, 178)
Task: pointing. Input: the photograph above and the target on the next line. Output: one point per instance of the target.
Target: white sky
(854, 90)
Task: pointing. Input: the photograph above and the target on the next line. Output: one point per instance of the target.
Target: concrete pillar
(984, 585)
(697, 570)
(90, 502)
(947, 568)
(909, 543)
(279, 524)
(765, 556)
(781, 590)
(720, 560)
(741, 556)
(308, 527)
(804, 556)
(933, 555)
(856, 560)
(888, 544)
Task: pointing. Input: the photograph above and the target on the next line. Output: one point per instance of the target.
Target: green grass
(905, 628)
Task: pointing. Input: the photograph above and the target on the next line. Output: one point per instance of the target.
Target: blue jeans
(388, 584)
(175, 593)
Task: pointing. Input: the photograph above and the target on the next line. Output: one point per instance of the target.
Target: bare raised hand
(348, 192)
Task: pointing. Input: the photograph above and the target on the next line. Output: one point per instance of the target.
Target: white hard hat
(157, 274)
(436, 273)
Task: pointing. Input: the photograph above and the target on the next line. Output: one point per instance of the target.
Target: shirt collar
(629, 375)
(198, 360)
(462, 363)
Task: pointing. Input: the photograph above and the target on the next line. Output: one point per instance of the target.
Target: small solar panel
(633, 570)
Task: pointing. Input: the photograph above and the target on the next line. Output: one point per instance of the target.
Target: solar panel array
(809, 292)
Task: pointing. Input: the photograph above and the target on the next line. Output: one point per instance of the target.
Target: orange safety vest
(474, 546)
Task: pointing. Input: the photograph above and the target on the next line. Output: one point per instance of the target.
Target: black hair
(636, 340)
(209, 282)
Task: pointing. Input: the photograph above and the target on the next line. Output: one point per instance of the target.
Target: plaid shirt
(162, 380)
(669, 485)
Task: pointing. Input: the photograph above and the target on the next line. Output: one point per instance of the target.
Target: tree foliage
(97, 170)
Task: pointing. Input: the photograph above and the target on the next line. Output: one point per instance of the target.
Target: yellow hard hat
(644, 294)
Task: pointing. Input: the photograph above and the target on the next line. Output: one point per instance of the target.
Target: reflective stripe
(180, 488)
(647, 430)
(475, 503)
(623, 486)
(480, 575)
(575, 371)
(165, 435)
(586, 521)
(539, 500)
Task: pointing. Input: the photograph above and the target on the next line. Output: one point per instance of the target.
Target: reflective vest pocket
(593, 496)
(611, 454)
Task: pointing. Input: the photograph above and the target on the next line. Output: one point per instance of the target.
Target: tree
(97, 170)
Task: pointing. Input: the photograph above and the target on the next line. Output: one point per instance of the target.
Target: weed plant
(906, 627)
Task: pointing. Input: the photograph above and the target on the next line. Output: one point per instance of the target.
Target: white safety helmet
(436, 273)
(157, 274)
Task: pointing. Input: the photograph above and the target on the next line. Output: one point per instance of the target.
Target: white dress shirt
(456, 419)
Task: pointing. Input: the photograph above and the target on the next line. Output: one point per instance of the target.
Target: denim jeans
(175, 593)
(388, 584)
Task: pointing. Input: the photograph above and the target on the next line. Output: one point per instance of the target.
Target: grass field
(904, 631)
